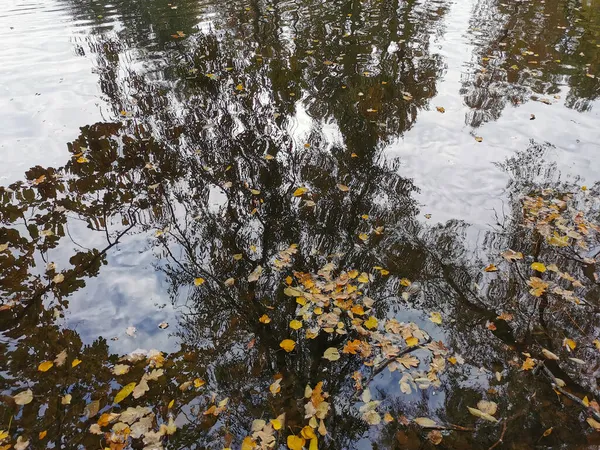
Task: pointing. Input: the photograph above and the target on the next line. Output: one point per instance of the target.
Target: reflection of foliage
(528, 54)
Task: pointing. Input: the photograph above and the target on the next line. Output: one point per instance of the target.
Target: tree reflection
(211, 142)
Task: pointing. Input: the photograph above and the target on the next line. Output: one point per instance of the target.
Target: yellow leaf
(276, 423)
(405, 282)
(199, 383)
(248, 443)
(365, 216)
(239, 87)
(478, 138)
(363, 278)
(597, 344)
(528, 364)
(569, 343)
(125, 392)
(548, 432)
(300, 192)
(171, 403)
(482, 415)
(363, 236)
(314, 445)
(264, 319)
(387, 418)
(411, 341)
(452, 360)
(436, 317)
(491, 268)
(45, 366)
(75, 362)
(440, 109)
(331, 354)
(295, 442)
(343, 187)
(592, 423)
(238, 256)
(371, 323)
(199, 281)
(295, 324)
(41, 435)
(255, 191)
(308, 433)
(585, 401)
(538, 266)
(288, 345)
(82, 159)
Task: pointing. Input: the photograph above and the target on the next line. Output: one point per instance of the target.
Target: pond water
(152, 156)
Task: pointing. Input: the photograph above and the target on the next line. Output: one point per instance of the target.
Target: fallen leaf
(491, 268)
(343, 187)
(42, 434)
(299, 192)
(45, 366)
(436, 317)
(538, 267)
(442, 110)
(570, 344)
(75, 362)
(528, 364)
(295, 324)
(549, 355)
(435, 437)
(24, 397)
(331, 354)
(482, 415)
(487, 407)
(511, 255)
(66, 400)
(548, 432)
(295, 442)
(125, 392)
(264, 319)
(426, 422)
(288, 345)
(199, 281)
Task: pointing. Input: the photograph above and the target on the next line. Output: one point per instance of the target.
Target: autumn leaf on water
(538, 267)
(60, 358)
(549, 355)
(125, 392)
(199, 281)
(343, 187)
(511, 255)
(24, 397)
(371, 323)
(478, 138)
(91, 409)
(405, 282)
(482, 415)
(255, 275)
(363, 278)
(331, 354)
(363, 237)
(487, 407)
(426, 422)
(295, 324)
(538, 286)
(299, 192)
(528, 364)
(288, 345)
(491, 268)
(75, 362)
(436, 317)
(45, 366)
(264, 319)
(275, 387)
(295, 442)
(570, 344)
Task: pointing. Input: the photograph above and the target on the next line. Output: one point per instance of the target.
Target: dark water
(134, 136)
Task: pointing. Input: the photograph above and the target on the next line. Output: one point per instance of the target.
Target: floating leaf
(299, 192)
(75, 362)
(288, 345)
(538, 267)
(436, 317)
(264, 319)
(45, 366)
(491, 268)
(92, 408)
(435, 437)
(549, 355)
(295, 324)
(528, 364)
(371, 323)
(487, 407)
(24, 397)
(511, 255)
(255, 275)
(482, 415)
(569, 344)
(426, 422)
(343, 187)
(125, 392)
(66, 400)
(199, 281)
(331, 354)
